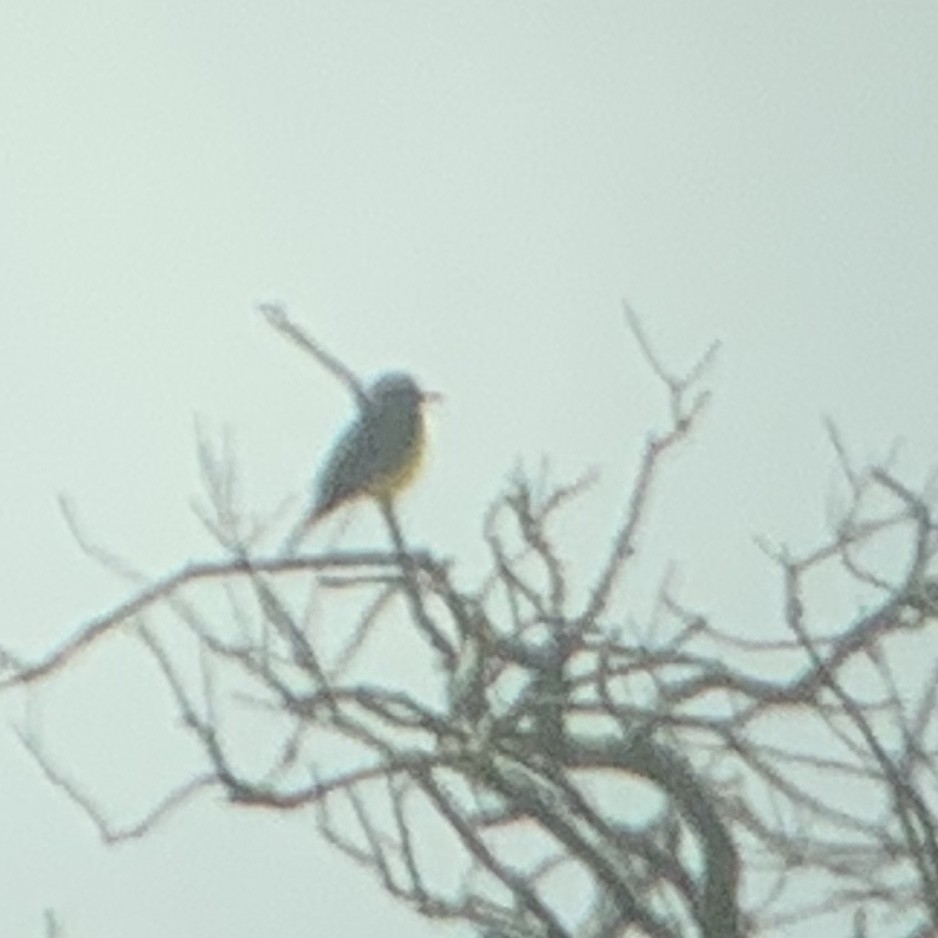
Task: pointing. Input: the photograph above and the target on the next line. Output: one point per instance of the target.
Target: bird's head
(398, 387)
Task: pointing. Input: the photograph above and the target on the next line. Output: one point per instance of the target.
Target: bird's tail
(298, 534)
(301, 530)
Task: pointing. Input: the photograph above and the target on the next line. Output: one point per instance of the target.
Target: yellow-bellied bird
(379, 454)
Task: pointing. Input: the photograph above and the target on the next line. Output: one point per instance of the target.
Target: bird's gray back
(376, 446)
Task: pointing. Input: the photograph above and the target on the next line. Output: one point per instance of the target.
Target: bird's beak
(431, 397)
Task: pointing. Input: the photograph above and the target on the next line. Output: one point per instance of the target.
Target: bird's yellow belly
(391, 483)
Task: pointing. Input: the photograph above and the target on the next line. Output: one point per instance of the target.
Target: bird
(378, 455)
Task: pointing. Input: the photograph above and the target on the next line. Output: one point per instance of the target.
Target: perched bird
(379, 454)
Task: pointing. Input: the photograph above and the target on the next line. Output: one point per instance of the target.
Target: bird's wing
(347, 470)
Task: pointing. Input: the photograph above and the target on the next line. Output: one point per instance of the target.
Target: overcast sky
(467, 191)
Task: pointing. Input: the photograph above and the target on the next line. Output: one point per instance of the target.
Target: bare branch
(276, 315)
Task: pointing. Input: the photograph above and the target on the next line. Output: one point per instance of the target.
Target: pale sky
(468, 191)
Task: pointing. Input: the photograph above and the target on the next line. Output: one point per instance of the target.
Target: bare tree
(548, 742)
